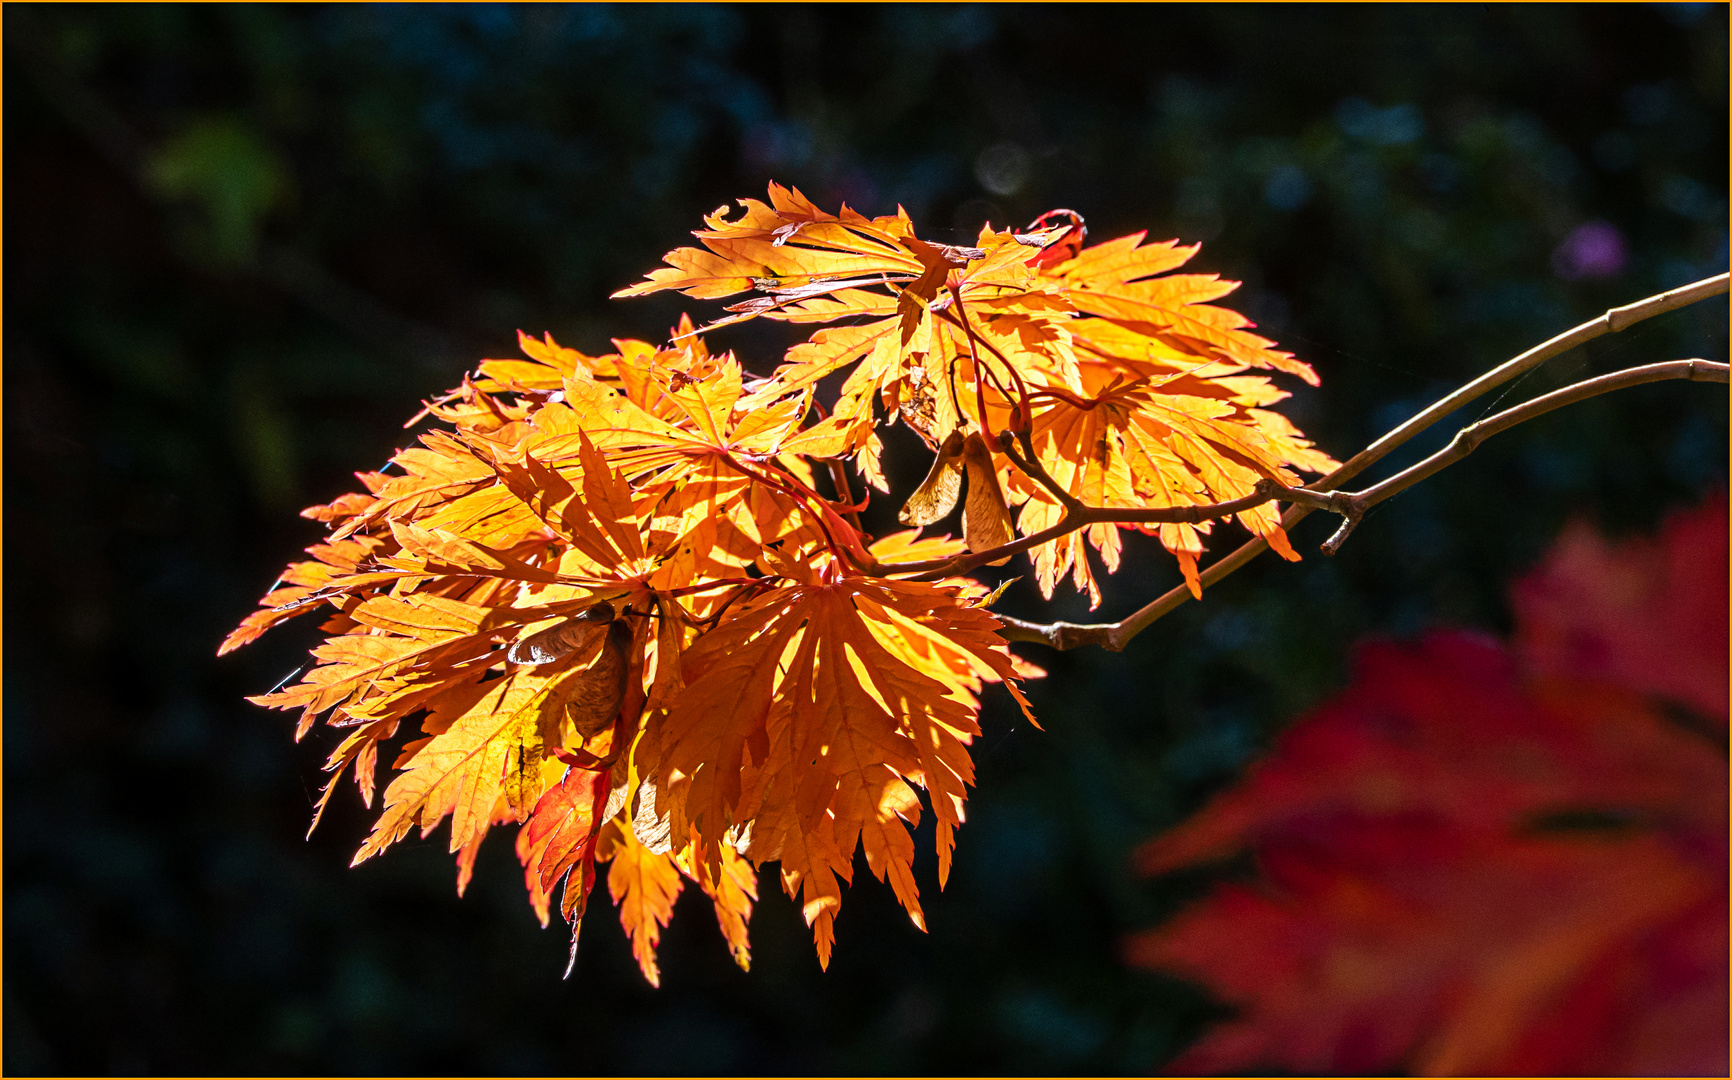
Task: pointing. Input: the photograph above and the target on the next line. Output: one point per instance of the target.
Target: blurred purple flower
(1594, 250)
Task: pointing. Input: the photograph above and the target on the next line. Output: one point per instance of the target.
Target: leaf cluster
(611, 592)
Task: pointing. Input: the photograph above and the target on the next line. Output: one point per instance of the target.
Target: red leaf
(1647, 614)
(561, 835)
(1467, 867)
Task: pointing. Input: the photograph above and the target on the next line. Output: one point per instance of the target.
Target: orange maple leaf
(1132, 380)
(612, 593)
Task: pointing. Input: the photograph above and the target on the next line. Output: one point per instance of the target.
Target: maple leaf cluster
(612, 594)
(1484, 859)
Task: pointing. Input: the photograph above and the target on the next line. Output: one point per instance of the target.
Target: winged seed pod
(594, 699)
(936, 495)
(576, 635)
(985, 518)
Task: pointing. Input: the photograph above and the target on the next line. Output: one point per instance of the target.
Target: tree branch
(1610, 322)
(1115, 636)
(1468, 439)
(1083, 516)
(1350, 505)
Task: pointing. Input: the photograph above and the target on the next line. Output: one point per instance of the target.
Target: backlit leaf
(605, 597)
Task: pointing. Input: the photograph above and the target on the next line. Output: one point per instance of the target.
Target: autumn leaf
(1649, 614)
(732, 887)
(1127, 282)
(803, 674)
(1133, 381)
(557, 844)
(625, 601)
(1476, 861)
(644, 886)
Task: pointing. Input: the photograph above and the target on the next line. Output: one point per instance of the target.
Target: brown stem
(980, 375)
(799, 492)
(1468, 439)
(1058, 635)
(1082, 517)
(1119, 634)
(1610, 322)
(968, 328)
(1034, 470)
(756, 583)
(839, 477)
(718, 583)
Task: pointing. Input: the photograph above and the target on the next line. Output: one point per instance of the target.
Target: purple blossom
(1594, 250)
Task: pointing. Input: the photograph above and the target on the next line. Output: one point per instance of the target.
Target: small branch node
(1349, 522)
(1316, 500)
(1706, 371)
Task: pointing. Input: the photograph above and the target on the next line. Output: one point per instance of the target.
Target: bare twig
(1058, 635)
(1083, 516)
(1611, 322)
(1467, 440)
(1115, 636)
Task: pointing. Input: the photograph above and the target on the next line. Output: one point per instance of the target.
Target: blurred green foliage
(244, 241)
(221, 164)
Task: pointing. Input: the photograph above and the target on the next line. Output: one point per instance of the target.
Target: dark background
(242, 243)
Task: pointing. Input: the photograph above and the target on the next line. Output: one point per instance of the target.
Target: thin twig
(1082, 517)
(980, 375)
(1610, 322)
(1468, 439)
(1034, 470)
(1115, 636)
(968, 328)
(756, 583)
(798, 492)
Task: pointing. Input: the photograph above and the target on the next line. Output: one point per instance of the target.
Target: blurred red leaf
(1647, 614)
(1477, 860)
